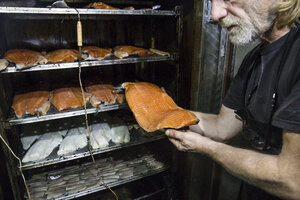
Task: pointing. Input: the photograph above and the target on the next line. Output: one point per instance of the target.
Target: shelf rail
(55, 159)
(105, 62)
(65, 114)
(83, 11)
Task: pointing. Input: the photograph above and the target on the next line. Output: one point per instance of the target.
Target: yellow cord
(79, 38)
(20, 162)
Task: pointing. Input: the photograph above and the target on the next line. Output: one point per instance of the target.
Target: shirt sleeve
(287, 116)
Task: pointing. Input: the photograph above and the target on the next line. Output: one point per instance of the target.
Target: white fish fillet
(99, 134)
(120, 134)
(73, 141)
(29, 134)
(43, 147)
(28, 140)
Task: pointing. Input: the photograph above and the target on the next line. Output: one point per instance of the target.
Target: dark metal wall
(204, 179)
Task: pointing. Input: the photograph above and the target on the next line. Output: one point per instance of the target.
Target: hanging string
(20, 167)
(79, 44)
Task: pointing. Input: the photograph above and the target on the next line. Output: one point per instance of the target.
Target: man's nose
(219, 10)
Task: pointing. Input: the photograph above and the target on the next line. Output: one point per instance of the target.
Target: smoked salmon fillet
(125, 51)
(154, 109)
(99, 5)
(62, 55)
(67, 98)
(34, 102)
(24, 58)
(96, 53)
(102, 93)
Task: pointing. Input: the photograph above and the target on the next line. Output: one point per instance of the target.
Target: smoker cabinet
(39, 28)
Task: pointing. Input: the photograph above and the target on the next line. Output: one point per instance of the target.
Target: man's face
(245, 20)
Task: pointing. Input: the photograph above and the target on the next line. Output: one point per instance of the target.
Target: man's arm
(219, 127)
(278, 175)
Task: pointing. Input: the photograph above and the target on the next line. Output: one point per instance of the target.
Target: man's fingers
(176, 143)
(174, 134)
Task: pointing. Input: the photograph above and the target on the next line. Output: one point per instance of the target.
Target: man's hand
(189, 141)
(276, 174)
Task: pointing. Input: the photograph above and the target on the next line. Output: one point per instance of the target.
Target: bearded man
(263, 102)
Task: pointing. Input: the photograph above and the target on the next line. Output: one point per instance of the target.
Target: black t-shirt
(259, 70)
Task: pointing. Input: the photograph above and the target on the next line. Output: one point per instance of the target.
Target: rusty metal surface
(211, 62)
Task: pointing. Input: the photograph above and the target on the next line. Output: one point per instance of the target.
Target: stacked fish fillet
(38, 102)
(25, 58)
(71, 139)
(33, 102)
(84, 177)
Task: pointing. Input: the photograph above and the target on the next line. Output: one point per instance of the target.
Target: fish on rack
(43, 147)
(155, 109)
(159, 52)
(33, 102)
(27, 141)
(67, 98)
(119, 131)
(29, 135)
(73, 141)
(125, 51)
(71, 181)
(62, 55)
(25, 58)
(100, 135)
(103, 93)
(96, 53)
(100, 5)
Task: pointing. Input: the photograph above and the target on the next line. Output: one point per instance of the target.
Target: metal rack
(138, 138)
(114, 184)
(30, 13)
(105, 62)
(53, 114)
(72, 11)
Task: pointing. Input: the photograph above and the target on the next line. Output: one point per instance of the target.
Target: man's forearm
(219, 127)
(255, 168)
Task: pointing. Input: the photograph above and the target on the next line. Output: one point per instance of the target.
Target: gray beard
(243, 33)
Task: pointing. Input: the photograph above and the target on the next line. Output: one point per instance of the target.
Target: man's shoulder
(250, 57)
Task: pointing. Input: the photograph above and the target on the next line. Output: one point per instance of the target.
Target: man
(263, 101)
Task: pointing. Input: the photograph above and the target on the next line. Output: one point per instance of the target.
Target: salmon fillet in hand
(155, 109)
